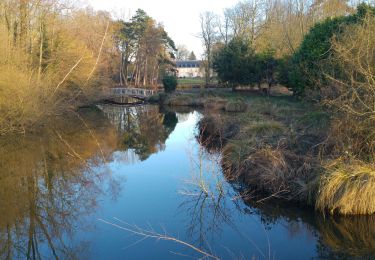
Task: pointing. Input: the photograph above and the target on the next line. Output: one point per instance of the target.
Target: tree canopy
(239, 64)
(145, 47)
(310, 62)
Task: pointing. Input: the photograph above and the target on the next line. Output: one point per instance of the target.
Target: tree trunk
(23, 23)
(126, 71)
(121, 66)
(145, 73)
(41, 37)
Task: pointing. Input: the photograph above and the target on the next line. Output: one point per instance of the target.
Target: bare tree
(224, 26)
(182, 52)
(276, 24)
(208, 34)
(247, 19)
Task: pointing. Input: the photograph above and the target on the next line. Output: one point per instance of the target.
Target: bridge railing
(132, 92)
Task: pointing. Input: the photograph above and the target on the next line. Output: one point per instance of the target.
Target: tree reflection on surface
(143, 128)
(54, 183)
(49, 182)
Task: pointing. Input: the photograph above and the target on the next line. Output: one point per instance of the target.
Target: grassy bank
(190, 81)
(281, 148)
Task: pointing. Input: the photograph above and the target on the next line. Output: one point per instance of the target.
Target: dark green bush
(238, 64)
(310, 63)
(170, 83)
(235, 64)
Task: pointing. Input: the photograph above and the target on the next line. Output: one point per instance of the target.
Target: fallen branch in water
(153, 234)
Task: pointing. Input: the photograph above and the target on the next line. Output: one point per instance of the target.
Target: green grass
(265, 127)
(190, 81)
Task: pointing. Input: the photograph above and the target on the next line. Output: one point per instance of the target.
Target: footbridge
(137, 93)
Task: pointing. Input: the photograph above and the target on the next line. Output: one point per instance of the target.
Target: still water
(132, 182)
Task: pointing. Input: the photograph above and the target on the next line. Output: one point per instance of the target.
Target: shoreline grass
(281, 149)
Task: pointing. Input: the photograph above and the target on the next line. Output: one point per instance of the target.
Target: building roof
(188, 63)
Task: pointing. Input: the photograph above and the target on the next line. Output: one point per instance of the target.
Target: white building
(189, 69)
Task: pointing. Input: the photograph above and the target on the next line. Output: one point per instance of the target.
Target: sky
(180, 18)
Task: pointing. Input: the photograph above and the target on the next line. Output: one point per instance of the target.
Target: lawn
(190, 81)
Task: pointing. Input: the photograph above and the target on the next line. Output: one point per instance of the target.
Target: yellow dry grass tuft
(347, 188)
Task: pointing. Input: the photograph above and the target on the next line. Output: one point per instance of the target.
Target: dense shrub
(311, 62)
(45, 72)
(238, 64)
(170, 83)
(266, 67)
(235, 64)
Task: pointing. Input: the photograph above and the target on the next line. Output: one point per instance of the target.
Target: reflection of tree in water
(144, 128)
(339, 237)
(205, 199)
(184, 116)
(47, 183)
(170, 120)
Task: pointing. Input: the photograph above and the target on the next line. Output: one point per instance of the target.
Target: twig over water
(153, 234)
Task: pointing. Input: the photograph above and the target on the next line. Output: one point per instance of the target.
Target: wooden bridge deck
(138, 93)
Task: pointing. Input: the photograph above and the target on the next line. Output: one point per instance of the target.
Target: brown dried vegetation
(53, 57)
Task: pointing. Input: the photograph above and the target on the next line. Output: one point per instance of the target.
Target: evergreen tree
(192, 56)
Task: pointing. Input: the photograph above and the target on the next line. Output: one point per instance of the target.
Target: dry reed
(347, 188)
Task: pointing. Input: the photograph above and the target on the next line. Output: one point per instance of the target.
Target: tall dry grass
(347, 188)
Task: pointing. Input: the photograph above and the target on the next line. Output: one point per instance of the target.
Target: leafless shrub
(352, 92)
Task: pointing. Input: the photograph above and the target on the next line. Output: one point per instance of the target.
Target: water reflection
(53, 184)
(338, 237)
(144, 128)
(204, 198)
(50, 182)
(353, 236)
(210, 204)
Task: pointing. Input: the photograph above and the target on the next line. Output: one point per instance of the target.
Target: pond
(132, 182)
